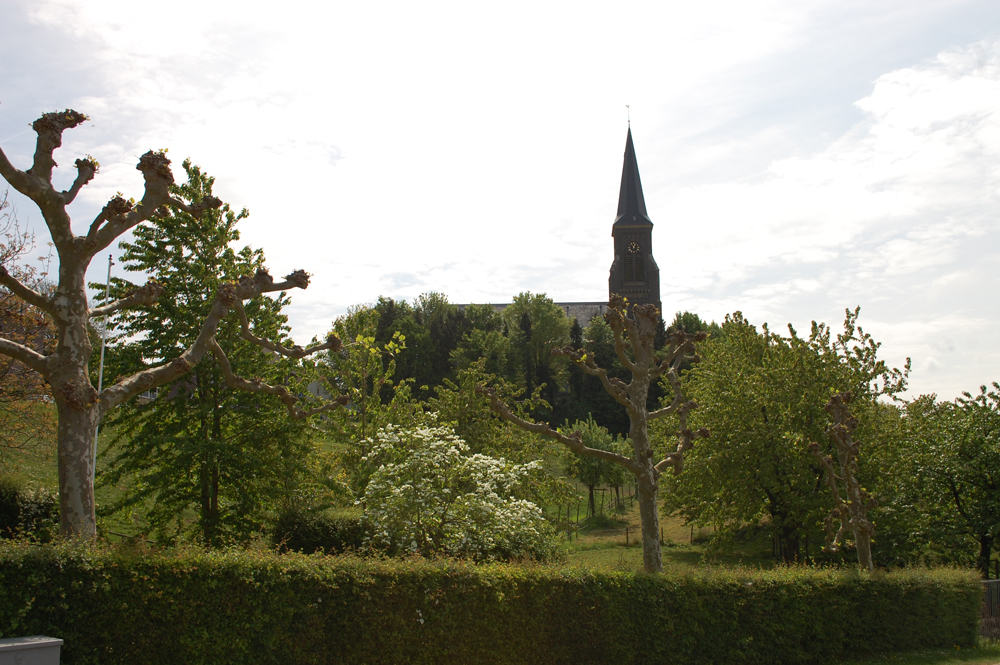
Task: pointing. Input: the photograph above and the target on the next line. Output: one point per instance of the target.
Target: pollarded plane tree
(79, 405)
(850, 514)
(634, 328)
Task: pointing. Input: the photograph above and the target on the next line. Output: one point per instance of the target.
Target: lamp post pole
(100, 371)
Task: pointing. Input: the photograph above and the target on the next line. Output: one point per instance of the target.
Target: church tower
(634, 273)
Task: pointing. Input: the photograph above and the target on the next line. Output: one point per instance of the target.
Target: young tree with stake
(634, 328)
(66, 368)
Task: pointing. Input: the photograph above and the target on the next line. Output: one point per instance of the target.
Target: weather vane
(628, 114)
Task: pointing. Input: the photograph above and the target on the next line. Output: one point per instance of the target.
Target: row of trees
(515, 344)
(927, 469)
(214, 452)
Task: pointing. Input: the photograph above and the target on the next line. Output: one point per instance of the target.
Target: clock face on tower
(633, 247)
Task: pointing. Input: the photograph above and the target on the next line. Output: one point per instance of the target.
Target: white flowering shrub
(428, 495)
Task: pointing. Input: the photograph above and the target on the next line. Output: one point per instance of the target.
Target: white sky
(797, 158)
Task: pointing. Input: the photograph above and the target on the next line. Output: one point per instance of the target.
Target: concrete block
(34, 650)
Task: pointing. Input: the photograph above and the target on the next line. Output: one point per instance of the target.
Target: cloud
(475, 150)
(898, 215)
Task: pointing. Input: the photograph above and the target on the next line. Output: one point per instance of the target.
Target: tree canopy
(763, 396)
(199, 444)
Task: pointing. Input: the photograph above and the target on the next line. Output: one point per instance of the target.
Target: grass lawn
(602, 545)
(37, 464)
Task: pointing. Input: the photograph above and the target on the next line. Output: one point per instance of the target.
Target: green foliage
(592, 471)
(762, 396)
(536, 325)
(690, 322)
(943, 499)
(202, 458)
(459, 404)
(588, 398)
(364, 370)
(430, 496)
(257, 607)
(27, 511)
(328, 532)
(433, 328)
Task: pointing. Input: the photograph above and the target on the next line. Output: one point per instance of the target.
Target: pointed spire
(631, 204)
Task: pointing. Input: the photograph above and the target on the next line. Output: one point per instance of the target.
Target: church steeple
(631, 204)
(634, 273)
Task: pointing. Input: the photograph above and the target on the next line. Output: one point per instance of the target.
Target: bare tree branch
(675, 404)
(147, 294)
(119, 215)
(618, 324)
(113, 209)
(574, 441)
(258, 386)
(686, 439)
(85, 171)
(49, 129)
(196, 210)
(23, 354)
(615, 387)
(18, 179)
(332, 343)
(25, 293)
(225, 300)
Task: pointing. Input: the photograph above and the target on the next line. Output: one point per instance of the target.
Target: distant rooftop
(581, 311)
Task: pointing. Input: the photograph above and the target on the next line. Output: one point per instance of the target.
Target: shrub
(26, 510)
(191, 606)
(326, 532)
(429, 496)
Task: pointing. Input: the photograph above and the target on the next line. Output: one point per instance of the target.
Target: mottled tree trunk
(75, 441)
(76, 401)
(649, 513)
(646, 476)
(863, 544)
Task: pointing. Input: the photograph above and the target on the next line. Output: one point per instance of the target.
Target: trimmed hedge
(115, 606)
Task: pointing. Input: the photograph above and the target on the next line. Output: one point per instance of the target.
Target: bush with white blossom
(428, 495)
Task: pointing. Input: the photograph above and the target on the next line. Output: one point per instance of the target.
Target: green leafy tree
(972, 447)
(594, 471)
(763, 395)
(433, 328)
(201, 450)
(485, 339)
(536, 326)
(431, 496)
(945, 488)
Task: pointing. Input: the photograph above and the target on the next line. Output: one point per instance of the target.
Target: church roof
(631, 204)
